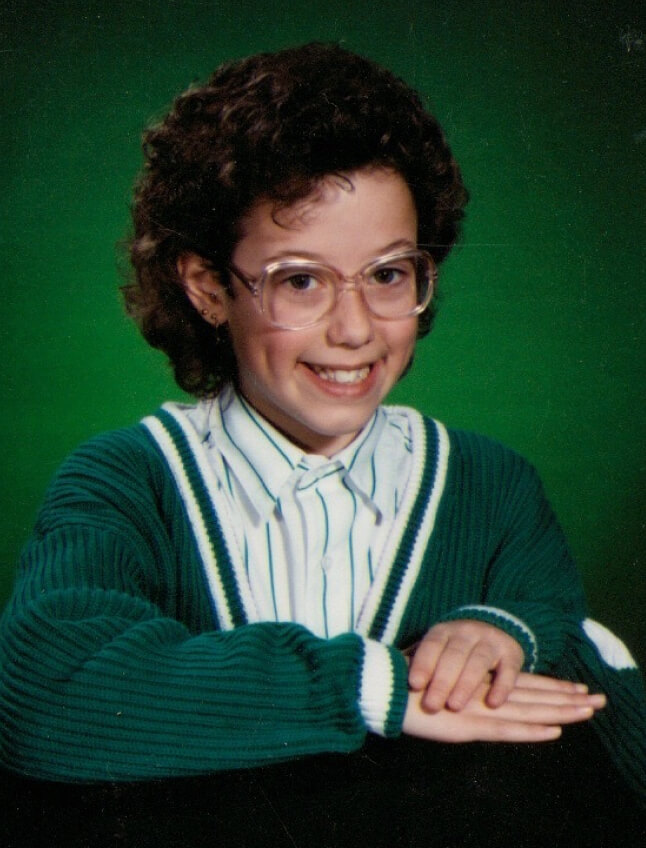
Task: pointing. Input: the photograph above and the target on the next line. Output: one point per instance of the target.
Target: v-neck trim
(221, 548)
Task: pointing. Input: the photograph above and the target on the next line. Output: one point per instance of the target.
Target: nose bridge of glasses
(349, 283)
(355, 283)
(350, 319)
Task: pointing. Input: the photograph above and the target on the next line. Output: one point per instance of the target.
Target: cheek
(402, 341)
(264, 355)
(246, 332)
(404, 345)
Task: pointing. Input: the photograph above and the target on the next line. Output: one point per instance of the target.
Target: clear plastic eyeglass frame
(333, 283)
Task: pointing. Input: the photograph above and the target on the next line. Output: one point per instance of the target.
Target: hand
(456, 657)
(535, 710)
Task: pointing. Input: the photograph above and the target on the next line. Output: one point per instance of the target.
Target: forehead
(359, 213)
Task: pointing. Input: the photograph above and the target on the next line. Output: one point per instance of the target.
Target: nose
(350, 322)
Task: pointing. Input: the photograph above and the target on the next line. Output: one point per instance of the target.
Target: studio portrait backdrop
(540, 338)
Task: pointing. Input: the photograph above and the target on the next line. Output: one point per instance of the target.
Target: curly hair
(270, 126)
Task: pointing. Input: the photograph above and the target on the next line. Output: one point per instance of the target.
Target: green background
(540, 340)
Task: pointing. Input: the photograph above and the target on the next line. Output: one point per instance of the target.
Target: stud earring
(210, 316)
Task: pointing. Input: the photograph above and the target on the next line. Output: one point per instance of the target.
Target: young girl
(288, 569)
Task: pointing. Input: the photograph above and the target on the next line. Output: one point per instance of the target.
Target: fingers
(503, 684)
(471, 726)
(454, 658)
(555, 697)
(486, 730)
(459, 673)
(460, 669)
(531, 714)
(541, 681)
(540, 712)
(424, 659)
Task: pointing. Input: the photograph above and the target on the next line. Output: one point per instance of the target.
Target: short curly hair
(270, 127)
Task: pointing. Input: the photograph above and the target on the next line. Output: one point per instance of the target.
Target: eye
(296, 280)
(390, 275)
(299, 282)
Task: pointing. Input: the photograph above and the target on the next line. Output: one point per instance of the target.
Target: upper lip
(340, 366)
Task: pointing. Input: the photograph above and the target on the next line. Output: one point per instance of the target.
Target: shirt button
(327, 562)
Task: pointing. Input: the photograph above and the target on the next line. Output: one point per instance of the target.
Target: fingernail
(552, 732)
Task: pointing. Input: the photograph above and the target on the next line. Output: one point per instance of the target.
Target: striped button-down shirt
(312, 528)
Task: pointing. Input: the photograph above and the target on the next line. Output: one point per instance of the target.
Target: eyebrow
(398, 244)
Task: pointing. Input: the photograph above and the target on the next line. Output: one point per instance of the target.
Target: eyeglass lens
(297, 295)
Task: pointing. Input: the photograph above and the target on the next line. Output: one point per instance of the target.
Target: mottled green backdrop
(541, 336)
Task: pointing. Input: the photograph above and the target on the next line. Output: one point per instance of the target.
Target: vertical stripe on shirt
(314, 528)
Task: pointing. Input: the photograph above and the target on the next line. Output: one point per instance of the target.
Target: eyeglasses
(296, 294)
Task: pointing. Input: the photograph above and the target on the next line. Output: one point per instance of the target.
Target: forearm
(107, 689)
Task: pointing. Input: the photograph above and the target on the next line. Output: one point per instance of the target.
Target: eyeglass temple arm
(247, 281)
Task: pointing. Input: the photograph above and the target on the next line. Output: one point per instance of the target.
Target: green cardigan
(128, 650)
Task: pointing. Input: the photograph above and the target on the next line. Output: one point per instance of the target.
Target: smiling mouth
(341, 375)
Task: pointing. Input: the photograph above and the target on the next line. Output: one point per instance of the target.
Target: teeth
(338, 375)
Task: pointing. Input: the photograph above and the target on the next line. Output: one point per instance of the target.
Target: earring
(211, 316)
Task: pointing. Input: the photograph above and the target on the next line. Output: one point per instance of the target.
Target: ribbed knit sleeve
(501, 554)
(597, 657)
(531, 576)
(497, 554)
(112, 665)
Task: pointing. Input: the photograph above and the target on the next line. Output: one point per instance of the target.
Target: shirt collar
(265, 462)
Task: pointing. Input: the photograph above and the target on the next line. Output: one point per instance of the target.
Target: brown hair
(270, 126)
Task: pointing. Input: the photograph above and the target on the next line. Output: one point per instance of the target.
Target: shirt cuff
(384, 688)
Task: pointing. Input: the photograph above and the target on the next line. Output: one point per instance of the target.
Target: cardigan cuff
(383, 695)
(505, 621)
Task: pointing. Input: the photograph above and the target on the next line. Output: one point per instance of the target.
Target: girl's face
(320, 385)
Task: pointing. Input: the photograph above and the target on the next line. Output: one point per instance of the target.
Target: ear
(203, 288)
